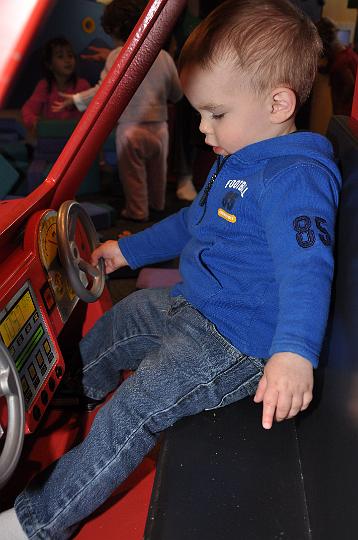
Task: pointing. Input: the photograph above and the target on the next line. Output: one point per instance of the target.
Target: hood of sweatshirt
(300, 143)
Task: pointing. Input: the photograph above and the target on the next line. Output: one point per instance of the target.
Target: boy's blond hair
(272, 42)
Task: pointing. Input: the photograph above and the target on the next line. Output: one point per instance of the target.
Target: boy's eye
(217, 116)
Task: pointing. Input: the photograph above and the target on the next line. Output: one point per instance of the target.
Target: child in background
(142, 137)
(256, 260)
(341, 66)
(59, 65)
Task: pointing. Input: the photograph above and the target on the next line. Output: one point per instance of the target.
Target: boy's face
(232, 116)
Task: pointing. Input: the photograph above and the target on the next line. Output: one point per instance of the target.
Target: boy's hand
(111, 254)
(285, 387)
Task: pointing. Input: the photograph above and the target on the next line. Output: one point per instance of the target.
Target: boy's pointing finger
(269, 408)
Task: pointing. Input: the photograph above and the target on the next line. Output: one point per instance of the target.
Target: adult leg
(193, 368)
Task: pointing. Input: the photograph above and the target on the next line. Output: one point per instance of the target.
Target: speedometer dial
(47, 239)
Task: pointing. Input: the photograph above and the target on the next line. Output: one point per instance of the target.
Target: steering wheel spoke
(10, 388)
(72, 259)
(6, 386)
(86, 267)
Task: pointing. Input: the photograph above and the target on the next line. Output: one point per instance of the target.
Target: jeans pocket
(177, 304)
(239, 381)
(243, 390)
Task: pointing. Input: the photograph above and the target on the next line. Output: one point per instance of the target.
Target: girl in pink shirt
(60, 76)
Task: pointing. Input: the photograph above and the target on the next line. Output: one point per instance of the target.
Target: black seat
(220, 475)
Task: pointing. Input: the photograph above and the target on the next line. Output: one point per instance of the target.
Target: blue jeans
(182, 367)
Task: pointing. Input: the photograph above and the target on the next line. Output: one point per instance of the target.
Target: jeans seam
(257, 363)
(222, 340)
(32, 516)
(203, 385)
(231, 348)
(242, 385)
(177, 305)
(112, 348)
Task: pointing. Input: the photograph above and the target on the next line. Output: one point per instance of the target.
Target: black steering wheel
(10, 388)
(80, 272)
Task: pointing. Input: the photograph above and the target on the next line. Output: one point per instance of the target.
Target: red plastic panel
(19, 21)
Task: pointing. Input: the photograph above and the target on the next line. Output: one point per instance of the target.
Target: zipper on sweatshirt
(220, 162)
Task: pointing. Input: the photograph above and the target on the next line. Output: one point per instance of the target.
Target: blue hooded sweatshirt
(256, 245)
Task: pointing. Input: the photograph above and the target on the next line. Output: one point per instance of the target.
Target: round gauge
(47, 238)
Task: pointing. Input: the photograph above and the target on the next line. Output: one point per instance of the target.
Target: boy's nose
(204, 126)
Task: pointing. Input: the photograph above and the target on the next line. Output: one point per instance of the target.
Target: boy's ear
(283, 105)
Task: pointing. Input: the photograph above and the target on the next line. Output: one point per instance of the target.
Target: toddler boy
(256, 263)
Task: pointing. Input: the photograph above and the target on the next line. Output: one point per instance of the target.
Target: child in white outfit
(142, 137)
